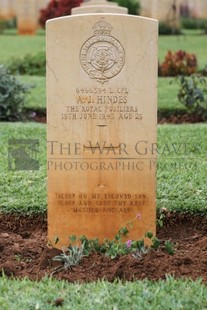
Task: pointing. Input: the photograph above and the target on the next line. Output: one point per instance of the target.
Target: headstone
(204, 10)
(101, 131)
(13, 8)
(146, 8)
(99, 6)
(5, 9)
(163, 10)
(27, 16)
(198, 8)
(42, 4)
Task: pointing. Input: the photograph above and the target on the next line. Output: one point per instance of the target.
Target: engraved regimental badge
(102, 56)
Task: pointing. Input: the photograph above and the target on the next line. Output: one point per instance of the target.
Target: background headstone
(42, 4)
(101, 6)
(6, 11)
(13, 8)
(198, 8)
(101, 114)
(164, 10)
(27, 16)
(146, 8)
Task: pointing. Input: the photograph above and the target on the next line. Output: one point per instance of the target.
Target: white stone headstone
(101, 125)
(27, 16)
(164, 10)
(198, 8)
(5, 9)
(99, 6)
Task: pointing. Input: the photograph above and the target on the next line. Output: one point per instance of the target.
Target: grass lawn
(14, 46)
(181, 176)
(22, 191)
(36, 99)
(164, 295)
(192, 42)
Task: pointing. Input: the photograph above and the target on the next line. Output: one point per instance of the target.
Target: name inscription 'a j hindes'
(102, 56)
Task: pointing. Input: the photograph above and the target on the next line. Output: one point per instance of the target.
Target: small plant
(30, 65)
(70, 257)
(138, 254)
(115, 247)
(178, 63)
(12, 96)
(193, 94)
(170, 247)
(112, 248)
(160, 220)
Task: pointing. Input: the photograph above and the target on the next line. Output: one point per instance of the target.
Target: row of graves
(27, 11)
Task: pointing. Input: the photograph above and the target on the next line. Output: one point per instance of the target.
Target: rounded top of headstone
(102, 28)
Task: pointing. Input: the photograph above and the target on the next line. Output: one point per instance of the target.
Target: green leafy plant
(29, 65)
(117, 246)
(2, 25)
(112, 248)
(178, 63)
(70, 257)
(170, 247)
(160, 220)
(12, 96)
(132, 5)
(166, 29)
(193, 23)
(193, 94)
(142, 250)
(204, 71)
(155, 241)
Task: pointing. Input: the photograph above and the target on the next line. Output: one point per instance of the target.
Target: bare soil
(24, 253)
(181, 119)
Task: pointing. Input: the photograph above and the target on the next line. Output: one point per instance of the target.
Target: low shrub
(166, 29)
(193, 23)
(57, 8)
(133, 6)
(193, 94)
(178, 63)
(30, 65)
(2, 25)
(204, 71)
(12, 96)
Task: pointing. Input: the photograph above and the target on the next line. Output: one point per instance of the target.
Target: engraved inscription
(104, 103)
(102, 56)
(97, 203)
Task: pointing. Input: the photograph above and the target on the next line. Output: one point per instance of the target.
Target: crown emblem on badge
(102, 56)
(102, 28)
